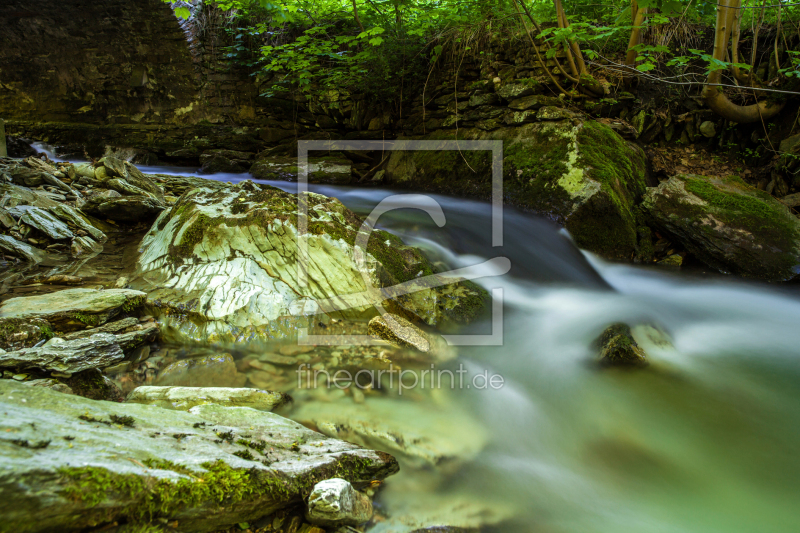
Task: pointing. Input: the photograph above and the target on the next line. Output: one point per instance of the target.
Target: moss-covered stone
(729, 225)
(583, 176)
(19, 333)
(617, 346)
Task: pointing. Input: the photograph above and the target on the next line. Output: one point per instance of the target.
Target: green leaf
(183, 12)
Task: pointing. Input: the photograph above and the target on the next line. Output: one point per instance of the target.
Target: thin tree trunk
(636, 34)
(355, 13)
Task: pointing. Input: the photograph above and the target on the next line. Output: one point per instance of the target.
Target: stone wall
(84, 61)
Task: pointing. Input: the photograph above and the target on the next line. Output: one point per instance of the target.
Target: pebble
(295, 349)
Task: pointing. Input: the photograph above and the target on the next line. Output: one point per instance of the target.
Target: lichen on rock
(223, 266)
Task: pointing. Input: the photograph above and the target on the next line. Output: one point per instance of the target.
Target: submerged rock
(184, 398)
(223, 265)
(728, 225)
(399, 332)
(74, 463)
(24, 251)
(206, 371)
(585, 177)
(618, 347)
(74, 309)
(334, 502)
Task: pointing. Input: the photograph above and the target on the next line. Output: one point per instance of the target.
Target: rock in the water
(618, 347)
(583, 176)
(19, 333)
(94, 385)
(226, 261)
(77, 464)
(206, 371)
(674, 260)
(124, 208)
(43, 221)
(74, 309)
(424, 436)
(22, 250)
(399, 332)
(334, 502)
(729, 225)
(216, 162)
(184, 398)
(70, 357)
(74, 216)
(83, 246)
(320, 170)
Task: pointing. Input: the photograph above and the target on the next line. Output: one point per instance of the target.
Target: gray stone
(83, 246)
(6, 220)
(125, 188)
(148, 454)
(334, 502)
(728, 224)
(24, 251)
(399, 332)
(73, 216)
(708, 129)
(483, 99)
(16, 196)
(514, 90)
(112, 327)
(123, 209)
(45, 222)
(50, 383)
(230, 255)
(534, 101)
(73, 309)
(97, 351)
(553, 113)
(184, 398)
(125, 170)
(788, 143)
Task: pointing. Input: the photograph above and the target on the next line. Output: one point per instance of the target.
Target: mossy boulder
(72, 464)
(728, 224)
(581, 175)
(617, 347)
(222, 266)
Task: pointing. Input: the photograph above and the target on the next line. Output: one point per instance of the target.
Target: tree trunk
(714, 96)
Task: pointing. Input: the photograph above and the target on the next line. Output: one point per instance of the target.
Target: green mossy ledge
(221, 267)
(581, 175)
(69, 463)
(728, 224)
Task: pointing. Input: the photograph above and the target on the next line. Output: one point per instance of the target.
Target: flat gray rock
(74, 309)
(184, 398)
(68, 463)
(11, 246)
(70, 357)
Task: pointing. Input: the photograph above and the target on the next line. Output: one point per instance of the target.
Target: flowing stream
(705, 439)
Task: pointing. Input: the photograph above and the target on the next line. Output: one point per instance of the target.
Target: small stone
(207, 371)
(399, 332)
(279, 359)
(19, 377)
(294, 349)
(617, 347)
(708, 129)
(674, 260)
(334, 502)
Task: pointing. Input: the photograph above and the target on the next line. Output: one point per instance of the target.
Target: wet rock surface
(184, 398)
(223, 264)
(77, 463)
(729, 225)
